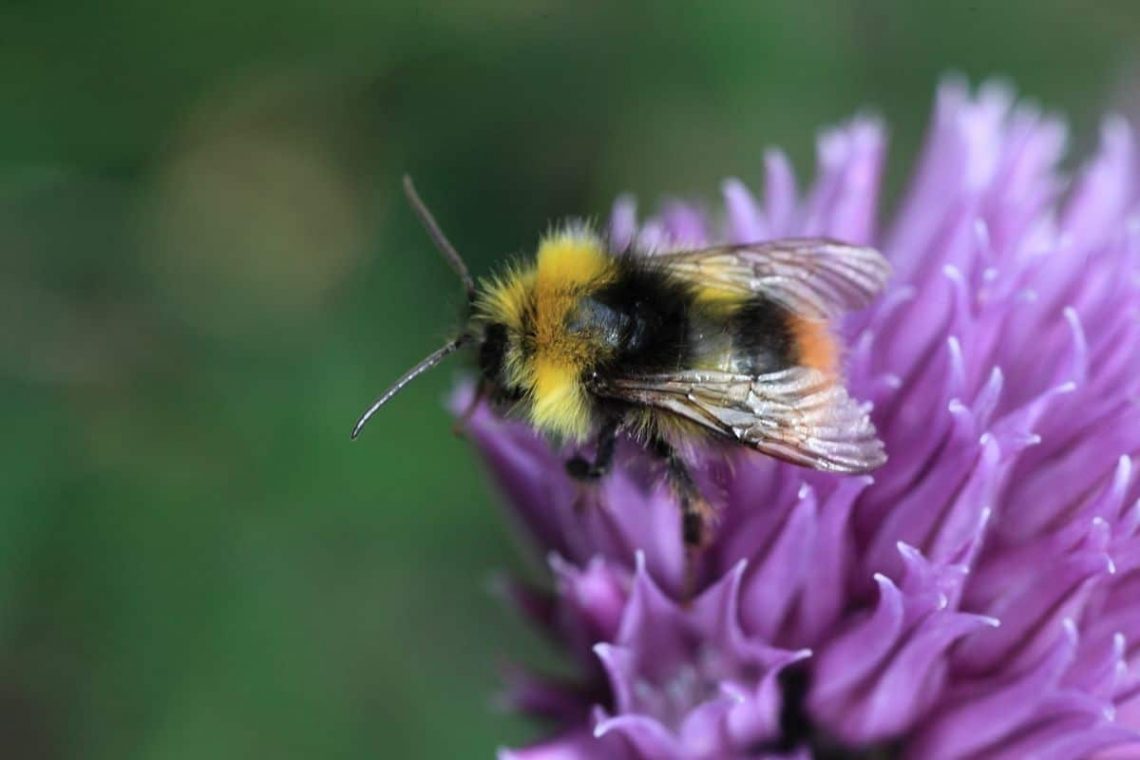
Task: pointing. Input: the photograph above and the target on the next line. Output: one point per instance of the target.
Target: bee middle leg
(587, 473)
(582, 469)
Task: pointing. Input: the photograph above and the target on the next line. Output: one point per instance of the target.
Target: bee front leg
(581, 468)
(481, 392)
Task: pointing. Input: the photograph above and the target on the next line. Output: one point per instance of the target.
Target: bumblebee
(728, 345)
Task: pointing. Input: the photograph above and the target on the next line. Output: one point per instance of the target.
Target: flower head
(979, 597)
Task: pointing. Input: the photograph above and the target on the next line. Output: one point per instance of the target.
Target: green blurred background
(208, 271)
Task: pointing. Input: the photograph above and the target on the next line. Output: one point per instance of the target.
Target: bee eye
(492, 351)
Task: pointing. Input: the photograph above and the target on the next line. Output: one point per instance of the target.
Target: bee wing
(798, 414)
(815, 277)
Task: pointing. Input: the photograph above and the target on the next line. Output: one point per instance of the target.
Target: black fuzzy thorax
(644, 314)
(656, 323)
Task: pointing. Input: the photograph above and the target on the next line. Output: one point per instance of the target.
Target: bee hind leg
(696, 513)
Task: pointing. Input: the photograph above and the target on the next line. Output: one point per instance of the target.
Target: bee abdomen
(764, 337)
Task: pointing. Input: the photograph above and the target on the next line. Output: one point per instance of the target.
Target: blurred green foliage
(208, 272)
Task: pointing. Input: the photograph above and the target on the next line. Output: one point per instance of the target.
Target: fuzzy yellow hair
(535, 301)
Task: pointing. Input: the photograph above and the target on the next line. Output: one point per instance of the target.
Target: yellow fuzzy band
(559, 405)
(569, 260)
(568, 265)
(535, 302)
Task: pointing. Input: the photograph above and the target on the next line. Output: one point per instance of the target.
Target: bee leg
(581, 468)
(588, 473)
(480, 393)
(696, 513)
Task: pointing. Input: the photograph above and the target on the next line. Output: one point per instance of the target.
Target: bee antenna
(425, 364)
(436, 234)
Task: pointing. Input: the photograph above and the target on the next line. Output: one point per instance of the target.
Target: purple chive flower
(979, 597)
